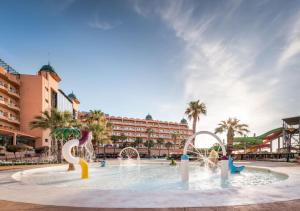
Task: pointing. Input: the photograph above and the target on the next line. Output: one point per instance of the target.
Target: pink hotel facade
(134, 128)
(22, 97)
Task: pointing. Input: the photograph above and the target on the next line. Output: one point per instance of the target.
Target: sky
(130, 58)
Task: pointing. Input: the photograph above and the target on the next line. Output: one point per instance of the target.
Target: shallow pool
(146, 177)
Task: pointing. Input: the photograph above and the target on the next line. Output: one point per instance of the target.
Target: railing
(8, 68)
(10, 105)
(9, 91)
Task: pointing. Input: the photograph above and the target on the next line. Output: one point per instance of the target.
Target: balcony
(13, 120)
(3, 88)
(14, 93)
(13, 107)
(9, 105)
(14, 78)
(6, 90)
(2, 117)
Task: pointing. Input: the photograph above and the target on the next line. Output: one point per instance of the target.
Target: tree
(41, 150)
(115, 140)
(160, 142)
(231, 126)
(182, 143)
(168, 145)
(138, 141)
(149, 132)
(53, 120)
(149, 144)
(175, 136)
(193, 112)
(123, 138)
(100, 128)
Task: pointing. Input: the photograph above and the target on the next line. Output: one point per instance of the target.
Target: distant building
(23, 97)
(133, 129)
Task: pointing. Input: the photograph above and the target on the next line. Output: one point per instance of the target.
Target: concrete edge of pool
(285, 190)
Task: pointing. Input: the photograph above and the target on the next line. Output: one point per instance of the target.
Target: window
(53, 99)
(25, 140)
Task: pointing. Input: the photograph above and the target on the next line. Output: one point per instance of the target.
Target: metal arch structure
(129, 148)
(188, 142)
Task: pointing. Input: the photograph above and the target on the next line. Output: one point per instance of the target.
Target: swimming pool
(146, 177)
(153, 184)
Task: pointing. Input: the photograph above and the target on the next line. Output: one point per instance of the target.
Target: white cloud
(103, 25)
(222, 63)
(292, 48)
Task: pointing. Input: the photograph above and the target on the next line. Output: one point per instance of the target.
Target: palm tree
(193, 112)
(53, 120)
(160, 142)
(175, 136)
(149, 144)
(168, 145)
(149, 132)
(123, 138)
(100, 128)
(115, 140)
(138, 141)
(182, 143)
(231, 126)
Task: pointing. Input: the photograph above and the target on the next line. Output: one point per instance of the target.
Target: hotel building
(133, 128)
(23, 97)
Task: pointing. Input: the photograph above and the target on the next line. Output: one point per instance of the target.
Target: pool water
(146, 177)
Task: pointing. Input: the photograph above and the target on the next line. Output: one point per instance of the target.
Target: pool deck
(276, 206)
(284, 195)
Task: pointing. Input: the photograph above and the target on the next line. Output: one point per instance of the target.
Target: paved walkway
(277, 206)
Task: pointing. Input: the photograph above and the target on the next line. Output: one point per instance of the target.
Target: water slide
(266, 138)
(67, 152)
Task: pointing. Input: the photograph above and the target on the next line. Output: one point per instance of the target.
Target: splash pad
(206, 159)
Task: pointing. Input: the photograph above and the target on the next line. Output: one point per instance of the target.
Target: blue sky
(130, 58)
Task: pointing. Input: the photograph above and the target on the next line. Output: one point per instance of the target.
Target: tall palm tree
(53, 120)
(182, 143)
(149, 132)
(160, 142)
(168, 145)
(231, 126)
(175, 135)
(193, 112)
(149, 144)
(123, 139)
(115, 140)
(100, 128)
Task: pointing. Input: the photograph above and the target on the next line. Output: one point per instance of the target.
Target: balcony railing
(10, 105)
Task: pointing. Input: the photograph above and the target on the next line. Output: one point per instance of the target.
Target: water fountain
(61, 135)
(203, 157)
(129, 154)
